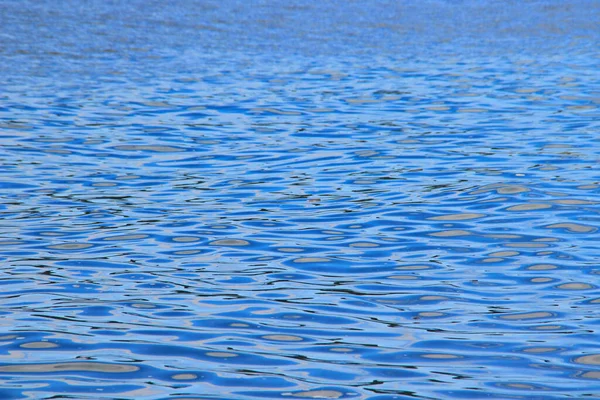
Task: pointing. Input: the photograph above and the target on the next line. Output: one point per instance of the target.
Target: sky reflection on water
(243, 200)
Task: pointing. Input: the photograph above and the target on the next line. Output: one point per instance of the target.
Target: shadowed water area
(299, 200)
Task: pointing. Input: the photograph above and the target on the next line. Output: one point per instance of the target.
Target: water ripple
(229, 200)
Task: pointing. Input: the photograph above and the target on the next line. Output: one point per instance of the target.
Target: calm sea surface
(299, 200)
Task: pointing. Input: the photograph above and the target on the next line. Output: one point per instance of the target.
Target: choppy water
(344, 200)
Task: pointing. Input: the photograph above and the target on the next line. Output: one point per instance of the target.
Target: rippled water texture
(340, 200)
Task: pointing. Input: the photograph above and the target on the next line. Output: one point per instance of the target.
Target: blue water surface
(287, 200)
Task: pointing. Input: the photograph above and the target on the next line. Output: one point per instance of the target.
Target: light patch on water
(592, 359)
(575, 286)
(230, 242)
(546, 239)
(492, 260)
(529, 207)
(185, 239)
(432, 298)
(312, 260)
(290, 249)
(184, 377)
(316, 394)
(542, 267)
(186, 252)
(525, 245)
(403, 277)
(274, 111)
(457, 217)
(70, 246)
(441, 356)
(588, 187)
(527, 90)
(38, 345)
(125, 237)
(451, 233)
(151, 148)
(572, 227)
(571, 202)
(523, 386)
(283, 338)
(591, 375)
(413, 267)
(143, 305)
(70, 366)
(503, 236)
(504, 254)
(104, 184)
(526, 316)
(547, 327)
(363, 244)
(221, 354)
(541, 280)
(266, 311)
(431, 314)
(536, 350)
(341, 350)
